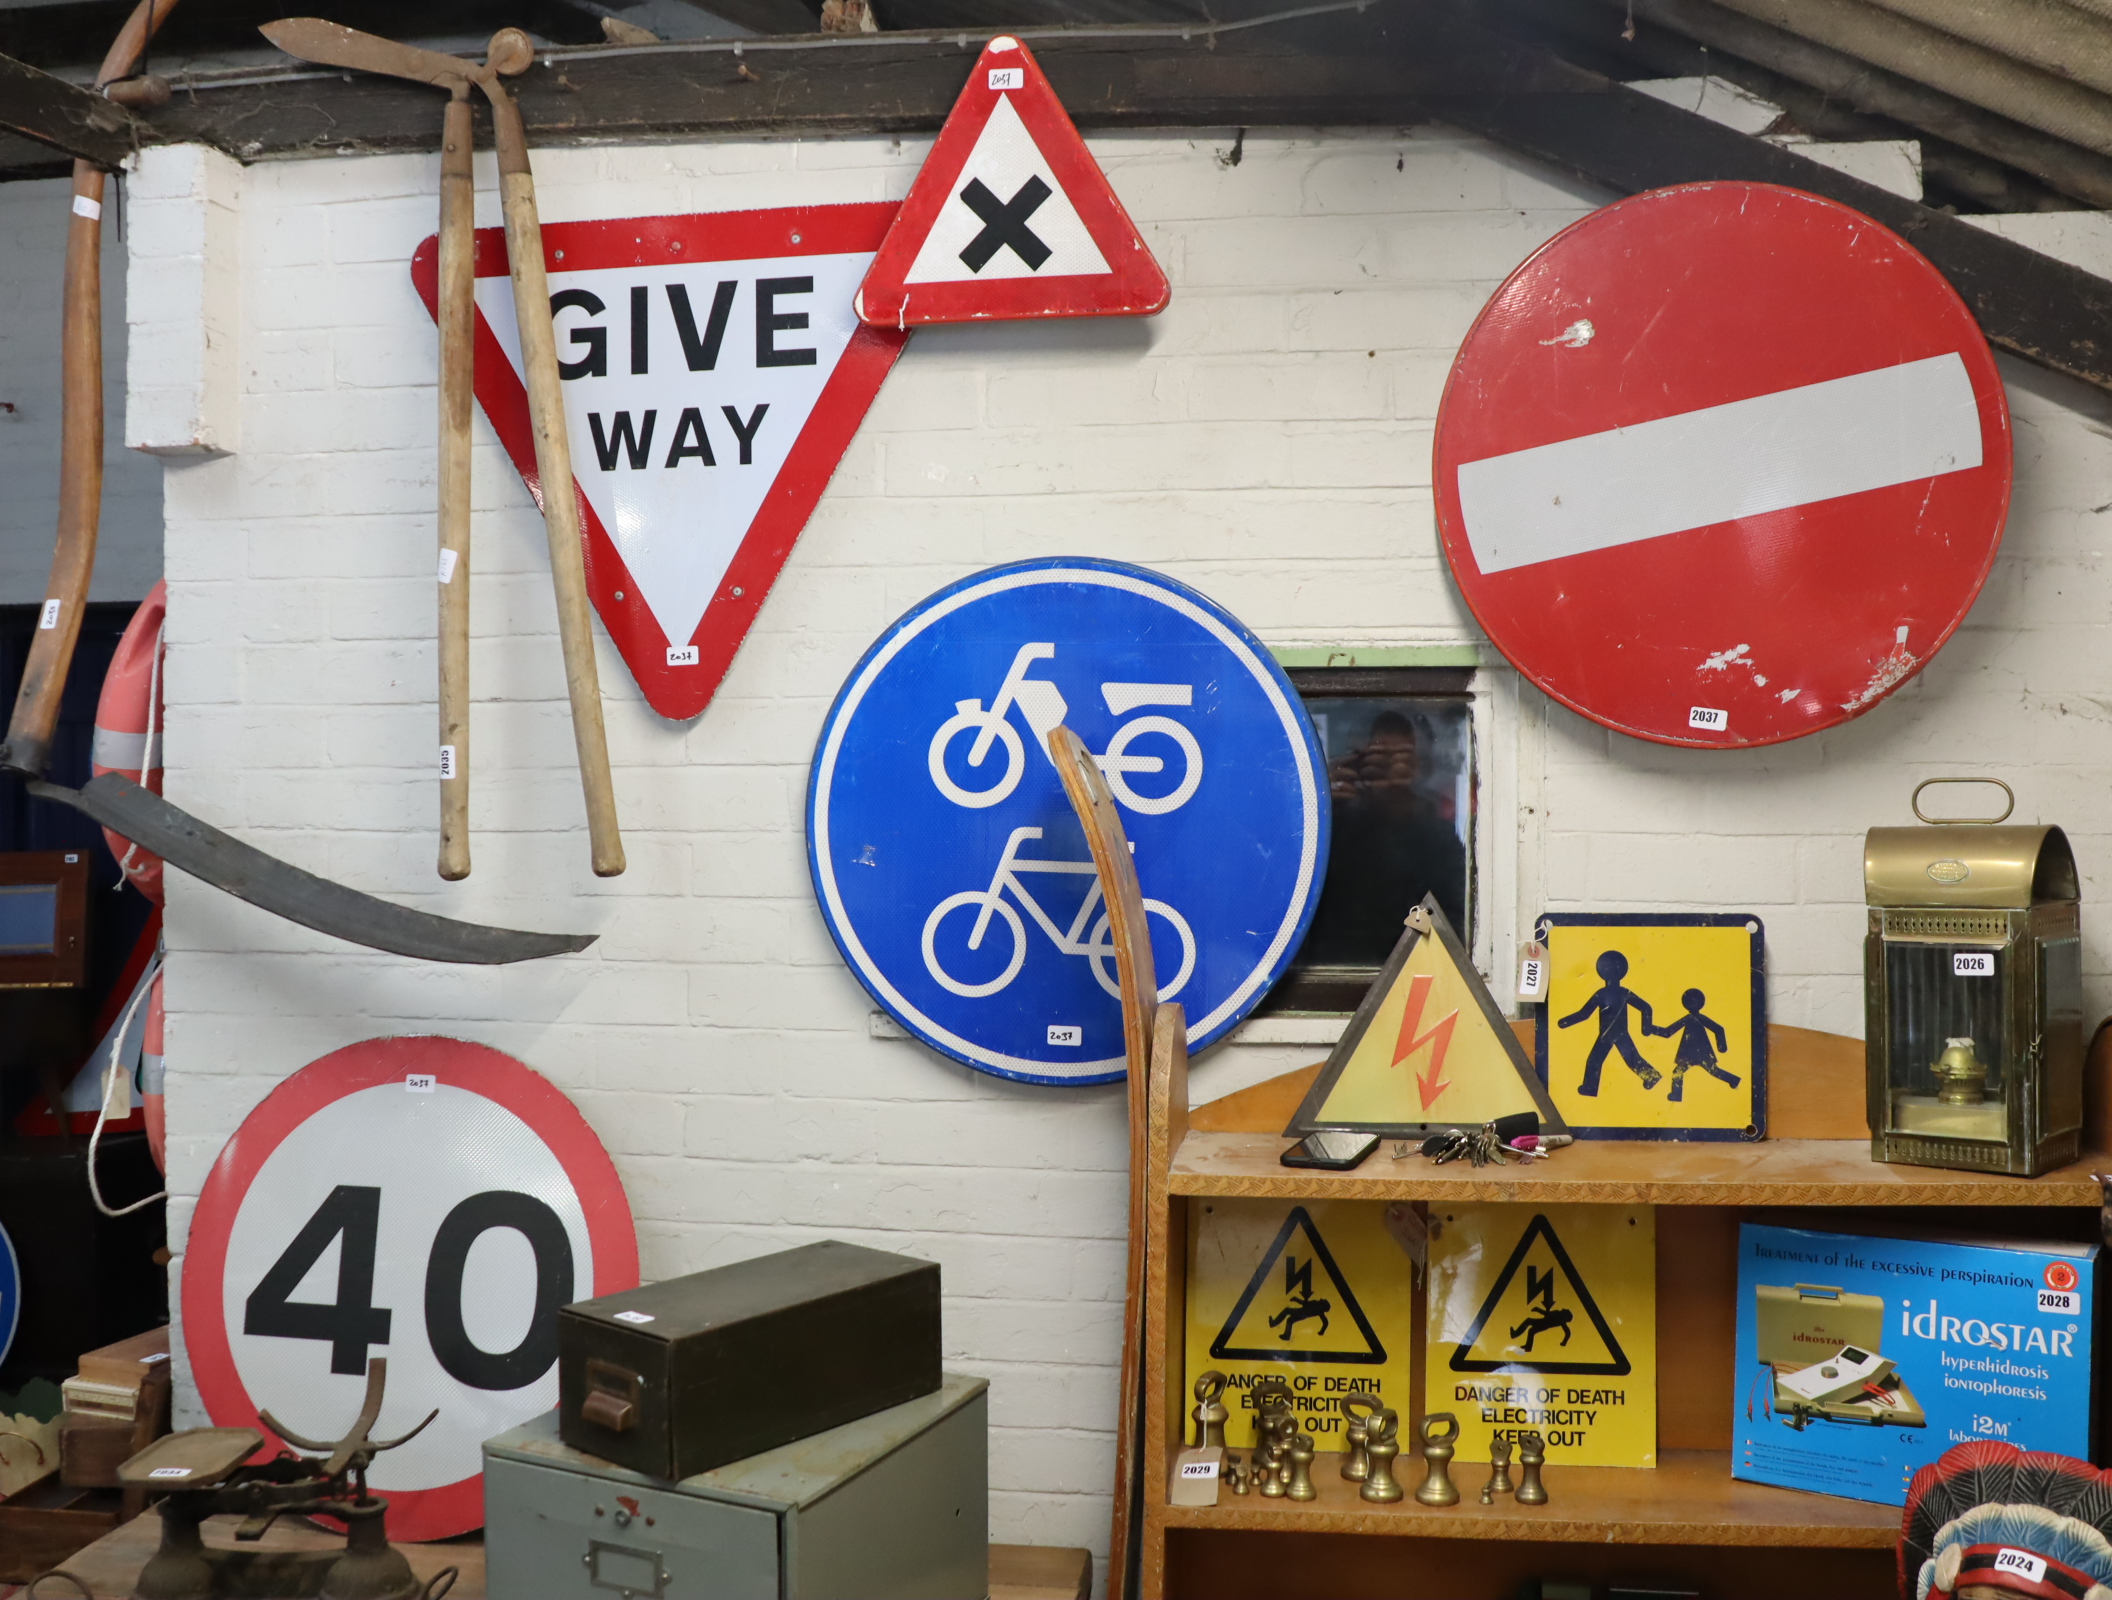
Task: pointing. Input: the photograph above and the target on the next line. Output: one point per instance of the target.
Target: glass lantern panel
(2061, 1019)
(1939, 993)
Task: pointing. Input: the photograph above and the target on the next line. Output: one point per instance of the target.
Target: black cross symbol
(1005, 223)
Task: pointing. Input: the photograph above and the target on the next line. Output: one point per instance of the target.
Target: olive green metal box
(683, 1376)
(893, 1506)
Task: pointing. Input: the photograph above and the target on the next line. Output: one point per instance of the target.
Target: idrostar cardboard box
(1862, 1358)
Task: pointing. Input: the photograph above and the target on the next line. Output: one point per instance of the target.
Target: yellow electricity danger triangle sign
(1427, 1049)
(1540, 1316)
(1298, 1306)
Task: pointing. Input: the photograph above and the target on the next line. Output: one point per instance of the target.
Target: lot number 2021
(351, 1214)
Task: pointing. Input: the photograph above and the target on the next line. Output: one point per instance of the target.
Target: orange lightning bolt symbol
(1439, 1038)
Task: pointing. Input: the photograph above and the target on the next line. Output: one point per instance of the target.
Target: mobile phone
(1332, 1149)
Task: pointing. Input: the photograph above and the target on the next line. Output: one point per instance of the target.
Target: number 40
(352, 1322)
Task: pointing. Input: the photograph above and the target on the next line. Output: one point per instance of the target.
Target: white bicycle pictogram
(1097, 947)
(1043, 706)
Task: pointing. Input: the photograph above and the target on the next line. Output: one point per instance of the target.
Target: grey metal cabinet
(894, 1506)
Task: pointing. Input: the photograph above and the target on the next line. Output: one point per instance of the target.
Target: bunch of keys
(1509, 1139)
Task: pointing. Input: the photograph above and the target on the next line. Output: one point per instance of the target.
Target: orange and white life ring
(150, 1077)
(128, 722)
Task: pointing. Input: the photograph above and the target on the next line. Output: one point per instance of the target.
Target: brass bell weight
(1300, 1451)
(1532, 1456)
(1381, 1444)
(1358, 1408)
(1440, 1431)
(1499, 1471)
(1210, 1415)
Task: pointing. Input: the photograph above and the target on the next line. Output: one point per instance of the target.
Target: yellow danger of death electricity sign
(1316, 1293)
(1427, 1048)
(1544, 1319)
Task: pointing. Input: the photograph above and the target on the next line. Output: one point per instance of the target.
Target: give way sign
(713, 373)
(1722, 464)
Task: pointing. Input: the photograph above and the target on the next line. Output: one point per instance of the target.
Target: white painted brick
(185, 391)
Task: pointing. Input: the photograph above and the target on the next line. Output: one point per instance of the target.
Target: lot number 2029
(352, 1214)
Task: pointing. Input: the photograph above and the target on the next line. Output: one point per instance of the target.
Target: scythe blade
(285, 890)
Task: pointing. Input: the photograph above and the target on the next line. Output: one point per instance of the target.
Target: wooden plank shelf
(1689, 1498)
(1773, 1172)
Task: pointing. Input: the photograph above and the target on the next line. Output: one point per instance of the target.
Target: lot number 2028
(351, 1214)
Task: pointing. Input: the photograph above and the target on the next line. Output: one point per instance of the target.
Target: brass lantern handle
(1943, 821)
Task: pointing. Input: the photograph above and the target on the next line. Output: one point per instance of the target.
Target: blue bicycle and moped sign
(949, 866)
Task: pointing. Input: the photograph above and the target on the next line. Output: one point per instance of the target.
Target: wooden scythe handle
(457, 374)
(553, 464)
(1090, 797)
(36, 714)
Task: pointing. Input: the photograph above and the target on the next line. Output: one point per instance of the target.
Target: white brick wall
(1266, 440)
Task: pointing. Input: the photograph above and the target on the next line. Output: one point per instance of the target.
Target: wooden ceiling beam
(1397, 65)
(76, 121)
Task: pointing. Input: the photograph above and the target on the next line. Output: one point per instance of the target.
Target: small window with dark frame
(1399, 745)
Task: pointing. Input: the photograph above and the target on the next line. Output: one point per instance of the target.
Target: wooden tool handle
(457, 372)
(553, 465)
(36, 713)
(1116, 869)
(28, 748)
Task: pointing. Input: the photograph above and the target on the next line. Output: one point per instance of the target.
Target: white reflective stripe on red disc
(1769, 453)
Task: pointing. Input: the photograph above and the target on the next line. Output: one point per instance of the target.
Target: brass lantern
(1972, 974)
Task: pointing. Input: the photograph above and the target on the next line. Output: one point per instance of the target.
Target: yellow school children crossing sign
(1655, 1027)
(1543, 1318)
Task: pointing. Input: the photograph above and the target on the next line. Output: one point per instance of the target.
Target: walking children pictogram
(1617, 986)
(1612, 1003)
(1695, 1033)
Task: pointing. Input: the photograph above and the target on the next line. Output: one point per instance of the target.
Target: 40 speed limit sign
(426, 1200)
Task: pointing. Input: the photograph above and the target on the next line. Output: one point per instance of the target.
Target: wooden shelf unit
(1690, 1499)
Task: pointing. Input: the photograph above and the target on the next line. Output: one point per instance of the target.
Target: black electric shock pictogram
(1543, 1317)
(1005, 224)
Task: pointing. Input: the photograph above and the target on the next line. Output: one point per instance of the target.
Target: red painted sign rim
(1444, 477)
(458, 1507)
(679, 693)
(1135, 285)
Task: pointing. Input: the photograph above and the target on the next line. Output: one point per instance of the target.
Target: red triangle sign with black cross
(1010, 217)
(714, 374)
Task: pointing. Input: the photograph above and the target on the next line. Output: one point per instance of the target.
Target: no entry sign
(425, 1200)
(1722, 465)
